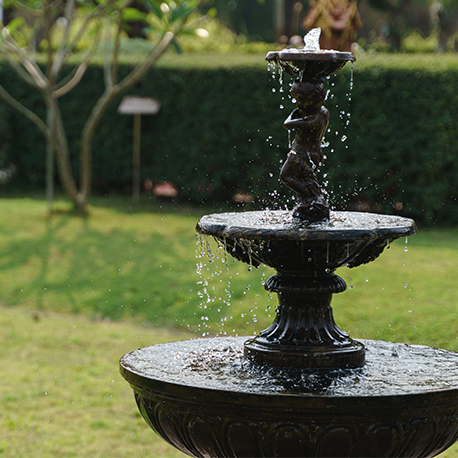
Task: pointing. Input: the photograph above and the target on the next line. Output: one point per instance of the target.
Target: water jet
(302, 387)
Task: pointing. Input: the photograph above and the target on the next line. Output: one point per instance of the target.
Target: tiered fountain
(302, 387)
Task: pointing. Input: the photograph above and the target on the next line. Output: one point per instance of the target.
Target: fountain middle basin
(305, 256)
(205, 399)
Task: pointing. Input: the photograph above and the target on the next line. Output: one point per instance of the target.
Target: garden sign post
(137, 106)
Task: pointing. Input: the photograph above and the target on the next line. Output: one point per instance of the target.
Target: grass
(76, 294)
(122, 261)
(61, 394)
(139, 261)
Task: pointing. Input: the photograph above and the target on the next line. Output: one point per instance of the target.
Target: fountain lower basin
(205, 399)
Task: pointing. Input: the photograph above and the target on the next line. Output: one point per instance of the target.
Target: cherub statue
(310, 120)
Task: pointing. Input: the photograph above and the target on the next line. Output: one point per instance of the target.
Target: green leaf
(212, 12)
(183, 11)
(132, 14)
(155, 8)
(15, 24)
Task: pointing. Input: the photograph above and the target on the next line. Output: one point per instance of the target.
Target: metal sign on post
(137, 106)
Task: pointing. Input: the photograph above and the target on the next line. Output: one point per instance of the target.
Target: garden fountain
(302, 387)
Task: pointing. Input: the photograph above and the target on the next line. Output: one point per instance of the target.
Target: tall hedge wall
(220, 130)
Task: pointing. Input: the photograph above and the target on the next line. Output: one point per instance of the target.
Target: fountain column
(304, 333)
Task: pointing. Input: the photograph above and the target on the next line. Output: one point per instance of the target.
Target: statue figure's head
(309, 93)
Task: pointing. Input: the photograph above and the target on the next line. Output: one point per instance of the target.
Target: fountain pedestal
(304, 333)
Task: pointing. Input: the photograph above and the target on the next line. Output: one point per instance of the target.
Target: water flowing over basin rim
(300, 55)
(278, 224)
(152, 368)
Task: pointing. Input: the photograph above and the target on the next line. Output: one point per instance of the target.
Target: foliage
(447, 18)
(214, 36)
(220, 131)
(19, 47)
(399, 12)
(415, 43)
(251, 19)
(402, 125)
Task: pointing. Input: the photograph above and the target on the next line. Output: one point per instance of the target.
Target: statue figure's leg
(300, 177)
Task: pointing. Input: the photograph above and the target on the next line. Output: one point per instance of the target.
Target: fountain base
(203, 398)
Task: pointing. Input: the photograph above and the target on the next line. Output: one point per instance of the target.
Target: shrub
(220, 131)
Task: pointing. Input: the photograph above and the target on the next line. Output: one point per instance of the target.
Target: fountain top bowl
(280, 224)
(318, 64)
(277, 239)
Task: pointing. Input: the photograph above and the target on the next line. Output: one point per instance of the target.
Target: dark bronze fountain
(302, 387)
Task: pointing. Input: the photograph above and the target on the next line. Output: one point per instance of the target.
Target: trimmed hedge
(220, 131)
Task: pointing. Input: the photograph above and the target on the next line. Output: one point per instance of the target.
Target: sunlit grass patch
(62, 394)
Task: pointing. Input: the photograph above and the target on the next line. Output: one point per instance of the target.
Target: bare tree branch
(69, 47)
(106, 61)
(5, 95)
(68, 15)
(30, 66)
(67, 87)
(152, 58)
(115, 56)
(76, 74)
(17, 67)
(102, 103)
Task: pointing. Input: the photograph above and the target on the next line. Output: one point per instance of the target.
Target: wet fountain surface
(391, 369)
(206, 400)
(282, 224)
(302, 387)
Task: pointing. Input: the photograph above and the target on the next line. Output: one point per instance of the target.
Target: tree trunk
(49, 166)
(279, 18)
(447, 27)
(63, 158)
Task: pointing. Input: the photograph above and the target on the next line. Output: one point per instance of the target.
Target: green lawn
(61, 393)
(76, 294)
